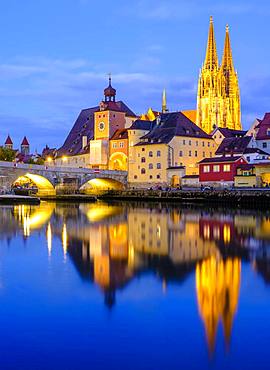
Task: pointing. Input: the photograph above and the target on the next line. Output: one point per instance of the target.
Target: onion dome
(109, 92)
(25, 141)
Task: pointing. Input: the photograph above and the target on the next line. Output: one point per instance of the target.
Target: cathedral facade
(218, 99)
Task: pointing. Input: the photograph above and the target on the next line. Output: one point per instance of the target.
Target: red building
(219, 171)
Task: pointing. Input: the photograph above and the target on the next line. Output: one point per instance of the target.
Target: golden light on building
(64, 159)
(218, 98)
(49, 159)
(218, 285)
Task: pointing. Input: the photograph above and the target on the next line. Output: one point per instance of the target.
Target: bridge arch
(44, 185)
(98, 184)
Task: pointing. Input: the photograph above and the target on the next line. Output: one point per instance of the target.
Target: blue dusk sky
(56, 54)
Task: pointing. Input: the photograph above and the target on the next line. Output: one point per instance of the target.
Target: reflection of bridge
(47, 179)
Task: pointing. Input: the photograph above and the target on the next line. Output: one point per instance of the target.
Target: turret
(25, 146)
(164, 102)
(9, 143)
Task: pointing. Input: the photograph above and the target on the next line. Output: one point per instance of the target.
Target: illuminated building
(218, 285)
(218, 97)
(119, 150)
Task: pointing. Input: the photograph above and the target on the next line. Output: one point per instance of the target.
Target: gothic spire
(211, 58)
(227, 60)
(164, 102)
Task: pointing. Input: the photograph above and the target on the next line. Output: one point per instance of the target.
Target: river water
(134, 286)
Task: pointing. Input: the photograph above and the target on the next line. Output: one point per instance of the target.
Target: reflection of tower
(218, 285)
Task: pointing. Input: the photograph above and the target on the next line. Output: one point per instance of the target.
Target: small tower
(164, 102)
(25, 146)
(9, 143)
(109, 92)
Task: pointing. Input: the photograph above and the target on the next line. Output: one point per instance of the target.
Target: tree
(7, 154)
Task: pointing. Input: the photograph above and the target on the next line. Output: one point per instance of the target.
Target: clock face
(101, 126)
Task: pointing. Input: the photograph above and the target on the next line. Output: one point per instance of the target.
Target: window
(139, 155)
(184, 142)
(143, 160)
(203, 143)
(158, 166)
(143, 149)
(268, 132)
(248, 159)
(196, 153)
(150, 177)
(121, 145)
(151, 154)
(226, 167)
(203, 154)
(206, 169)
(180, 153)
(189, 153)
(158, 176)
(210, 154)
(143, 171)
(208, 144)
(216, 168)
(114, 145)
(264, 145)
(197, 143)
(189, 143)
(150, 166)
(158, 153)
(135, 177)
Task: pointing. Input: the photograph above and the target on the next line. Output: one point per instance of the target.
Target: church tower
(229, 89)
(218, 98)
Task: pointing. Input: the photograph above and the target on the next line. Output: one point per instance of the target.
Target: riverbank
(78, 198)
(10, 199)
(226, 197)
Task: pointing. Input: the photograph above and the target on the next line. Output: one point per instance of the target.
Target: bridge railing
(37, 167)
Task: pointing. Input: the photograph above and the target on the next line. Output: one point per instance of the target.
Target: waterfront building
(219, 171)
(218, 97)
(172, 148)
(118, 157)
(87, 144)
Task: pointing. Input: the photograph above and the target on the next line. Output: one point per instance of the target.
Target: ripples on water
(133, 287)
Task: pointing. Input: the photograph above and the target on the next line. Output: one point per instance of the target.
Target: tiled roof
(8, 141)
(120, 134)
(220, 159)
(142, 125)
(236, 145)
(263, 128)
(255, 150)
(170, 125)
(190, 177)
(25, 141)
(227, 132)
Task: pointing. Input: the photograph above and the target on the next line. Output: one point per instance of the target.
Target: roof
(8, 141)
(118, 106)
(263, 127)
(220, 159)
(191, 114)
(84, 126)
(25, 141)
(120, 134)
(255, 150)
(227, 132)
(170, 125)
(246, 166)
(190, 177)
(176, 168)
(236, 145)
(142, 125)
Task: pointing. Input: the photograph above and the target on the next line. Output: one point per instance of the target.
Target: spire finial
(164, 102)
(227, 60)
(227, 27)
(110, 78)
(211, 19)
(211, 58)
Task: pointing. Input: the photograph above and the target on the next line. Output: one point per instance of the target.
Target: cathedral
(218, 100)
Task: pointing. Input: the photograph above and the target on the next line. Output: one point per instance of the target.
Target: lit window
(206, 169)
(158, 166)
(226, 167)
(216, 168)
(114, 145)
(158, 153)
(121, 145)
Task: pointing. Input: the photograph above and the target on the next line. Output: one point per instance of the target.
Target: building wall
(111, 121)
(77, 161)
(221, 175)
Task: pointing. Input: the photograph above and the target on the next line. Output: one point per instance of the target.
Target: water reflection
(111, 244)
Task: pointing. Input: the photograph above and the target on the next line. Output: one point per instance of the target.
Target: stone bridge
(50, 179)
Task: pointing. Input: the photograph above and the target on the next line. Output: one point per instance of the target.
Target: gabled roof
(233, 145)
(25, 141)
(120, 134)
(227, 132)
(263, 128)
(170, 125)
(221, 159)
(8, 141)
(142, 125)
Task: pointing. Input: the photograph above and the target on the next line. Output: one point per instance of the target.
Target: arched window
(158, 166)
(150, 166)
(143, 171)
(158, 153)
(143, 160)
(150, 154)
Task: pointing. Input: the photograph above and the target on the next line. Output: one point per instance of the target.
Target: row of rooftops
(10, 142)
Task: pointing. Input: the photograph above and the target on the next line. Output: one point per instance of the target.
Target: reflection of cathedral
(218, 286)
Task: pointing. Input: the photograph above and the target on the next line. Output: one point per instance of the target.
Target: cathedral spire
(164, 102)
(227, 60)
(211, 58)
